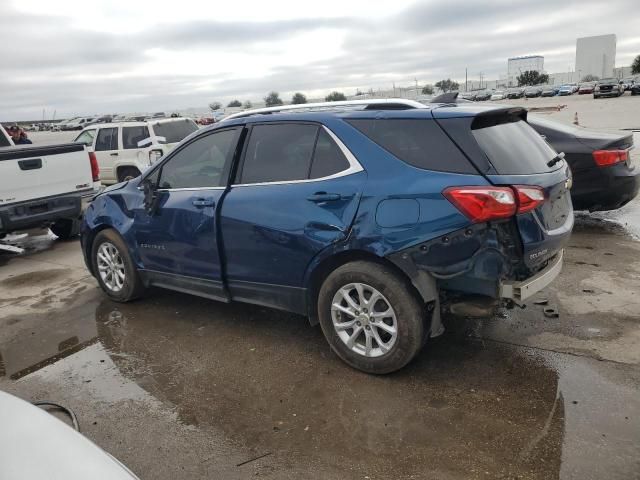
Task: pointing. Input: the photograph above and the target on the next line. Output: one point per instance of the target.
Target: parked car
(548, 91)
(565, 90)
(586, 88)
(468, 95)
(78, 123)
(45, 186)
(605, 177)
(515, 93)
(126, 149)
(635, 89)
(608, 87)
(628, 83)
(483, 96)
(499, 95)
(365, 220)
(532, 92)
(34, 445)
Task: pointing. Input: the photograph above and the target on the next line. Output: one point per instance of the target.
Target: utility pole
(466, 80)
(416, 87)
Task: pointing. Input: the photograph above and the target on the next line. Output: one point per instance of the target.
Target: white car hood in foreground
(35, 445)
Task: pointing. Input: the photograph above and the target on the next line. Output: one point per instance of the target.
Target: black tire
(408, 307)
(132, 287)
(66, 228)
(127, 173)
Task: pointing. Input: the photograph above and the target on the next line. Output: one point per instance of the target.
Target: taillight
(604, 158)
(481, 204)
(529, 198)
(95, 169)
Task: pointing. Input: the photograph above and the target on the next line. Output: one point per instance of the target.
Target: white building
(519, 65)
(596, 56)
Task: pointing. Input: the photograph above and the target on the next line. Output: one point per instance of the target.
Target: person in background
(19, 136)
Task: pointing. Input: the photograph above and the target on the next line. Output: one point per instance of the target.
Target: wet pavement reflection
(467, 408)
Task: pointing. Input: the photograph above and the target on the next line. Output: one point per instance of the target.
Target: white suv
(126, 149)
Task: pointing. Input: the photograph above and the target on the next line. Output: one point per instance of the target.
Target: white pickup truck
(45, 186)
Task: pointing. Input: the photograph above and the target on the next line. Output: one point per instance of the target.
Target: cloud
(78, 64)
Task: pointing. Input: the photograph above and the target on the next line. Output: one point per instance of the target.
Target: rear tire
(114, 269)
(66, 228)
(127, 173)
(352, 325)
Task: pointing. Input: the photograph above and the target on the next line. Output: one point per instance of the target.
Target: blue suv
(368, 217)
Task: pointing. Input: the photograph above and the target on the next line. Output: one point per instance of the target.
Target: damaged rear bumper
(520, 291)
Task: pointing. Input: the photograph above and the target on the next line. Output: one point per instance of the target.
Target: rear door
(296, 192)
(106, 150)
(131, 154)
(178, 243)
(508, 151)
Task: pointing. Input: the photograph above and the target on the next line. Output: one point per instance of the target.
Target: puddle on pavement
(464, 409)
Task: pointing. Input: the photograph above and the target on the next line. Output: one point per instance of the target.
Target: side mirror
(143, 143)
(150, 196)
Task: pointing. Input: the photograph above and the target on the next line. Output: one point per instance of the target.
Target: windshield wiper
(556, 159)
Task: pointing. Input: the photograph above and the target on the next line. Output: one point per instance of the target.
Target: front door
(177, 242)
(297, 193)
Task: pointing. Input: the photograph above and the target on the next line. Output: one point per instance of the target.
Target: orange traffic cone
(575, 119)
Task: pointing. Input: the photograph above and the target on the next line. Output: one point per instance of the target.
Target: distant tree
(635, 66)
(358, 92)
(213, 106)
(234, 103)
(447, 85)
(273, 99)
(590, 78)
(298, 98)
(247, 105)
(427, 89)
(532, 77)
(335, 97)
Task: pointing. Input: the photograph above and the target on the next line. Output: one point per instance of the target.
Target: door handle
(114, 154)
(319, 197)
(203, 202)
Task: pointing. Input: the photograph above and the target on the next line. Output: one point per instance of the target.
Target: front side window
(279, 153)
(107, 139)
(86, 137)
(201, 163)
(132, 135)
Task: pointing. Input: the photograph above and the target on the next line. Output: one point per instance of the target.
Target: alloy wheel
(111, 267)
(364, 319)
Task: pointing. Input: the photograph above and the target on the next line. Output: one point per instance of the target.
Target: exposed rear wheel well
(329, 264)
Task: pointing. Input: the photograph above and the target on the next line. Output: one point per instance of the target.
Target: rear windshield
(418, 142)
(174, 131)
(514, 148)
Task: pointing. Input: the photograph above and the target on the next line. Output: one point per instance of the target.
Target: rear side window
(174, 131)
(418, 142)
(107, 139)
(278, 153)
(328, 159)
(514, 148)
(132, 135)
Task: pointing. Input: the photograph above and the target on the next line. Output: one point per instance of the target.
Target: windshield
(174, 131)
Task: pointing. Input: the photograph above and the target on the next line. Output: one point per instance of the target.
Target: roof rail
(374, 104)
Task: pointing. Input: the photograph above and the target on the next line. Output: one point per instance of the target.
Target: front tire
(371, 317)
(66, 228)
(114, 268)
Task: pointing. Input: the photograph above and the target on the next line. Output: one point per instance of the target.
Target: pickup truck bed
(43, 185)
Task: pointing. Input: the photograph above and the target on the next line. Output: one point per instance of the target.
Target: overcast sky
(110, 56)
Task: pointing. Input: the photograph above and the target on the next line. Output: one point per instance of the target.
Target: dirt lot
(181, 387)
